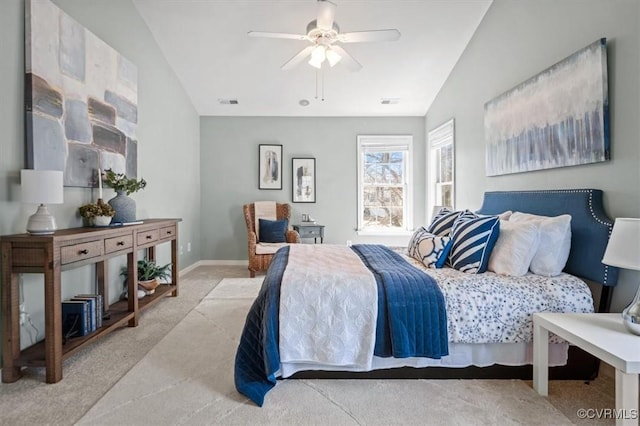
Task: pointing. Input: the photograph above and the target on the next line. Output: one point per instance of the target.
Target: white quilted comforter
(328, 307)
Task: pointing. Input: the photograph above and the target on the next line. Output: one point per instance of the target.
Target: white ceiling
(206, 44)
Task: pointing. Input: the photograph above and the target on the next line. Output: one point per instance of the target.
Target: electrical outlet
(181, 250)
(349, 243)
(188, 247)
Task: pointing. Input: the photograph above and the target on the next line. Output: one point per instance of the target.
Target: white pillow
(555, 242)
(516, 246)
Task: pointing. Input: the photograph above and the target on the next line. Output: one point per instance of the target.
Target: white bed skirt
(460, 355)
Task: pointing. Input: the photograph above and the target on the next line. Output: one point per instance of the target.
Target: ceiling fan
(323, 32)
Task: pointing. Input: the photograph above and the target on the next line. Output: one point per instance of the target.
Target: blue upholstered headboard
(590, 226)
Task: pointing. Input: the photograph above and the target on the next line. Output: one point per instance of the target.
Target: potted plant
(149, 274)
(124, 206)
(121, 183)
(97, 214)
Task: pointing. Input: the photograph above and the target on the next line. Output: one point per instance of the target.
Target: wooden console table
(68, 249)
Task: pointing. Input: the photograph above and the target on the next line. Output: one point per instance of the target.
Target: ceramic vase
(101, 220)
(124, 206)
(631, 315)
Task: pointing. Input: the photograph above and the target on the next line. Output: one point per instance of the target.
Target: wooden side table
(311, 230)
(603, 336)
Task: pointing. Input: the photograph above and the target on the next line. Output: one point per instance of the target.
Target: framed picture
(270, 166)
(303, 171)
(557, 118)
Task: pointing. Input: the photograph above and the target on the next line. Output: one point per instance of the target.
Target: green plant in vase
(124, 206)
(149, 275)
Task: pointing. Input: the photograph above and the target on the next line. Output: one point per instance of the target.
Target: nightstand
(603, 336)
(310, 230)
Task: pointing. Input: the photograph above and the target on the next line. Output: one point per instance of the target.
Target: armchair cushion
(273, 231)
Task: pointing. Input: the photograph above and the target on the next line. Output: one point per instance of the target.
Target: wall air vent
(228, 101)
(389, 101)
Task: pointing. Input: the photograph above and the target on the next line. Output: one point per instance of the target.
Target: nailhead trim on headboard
(500, 200)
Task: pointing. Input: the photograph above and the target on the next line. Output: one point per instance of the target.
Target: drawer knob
(85, 251)
(120, 243)
(149, 237)
(168, 232)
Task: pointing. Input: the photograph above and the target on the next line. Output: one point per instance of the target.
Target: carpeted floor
(177, 368)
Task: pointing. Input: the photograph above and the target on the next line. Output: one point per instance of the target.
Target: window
(441, 166)
(384, 184)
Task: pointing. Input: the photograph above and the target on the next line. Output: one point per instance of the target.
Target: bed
(271, 349)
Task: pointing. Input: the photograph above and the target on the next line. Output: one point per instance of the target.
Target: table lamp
(41, 187)
(623, 251)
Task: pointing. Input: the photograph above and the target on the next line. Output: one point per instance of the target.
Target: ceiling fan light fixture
(333, 57)
(318, 55)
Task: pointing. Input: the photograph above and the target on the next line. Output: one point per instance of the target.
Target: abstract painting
(270, 166)
(558, 118)
(81, 99)
(304, 180)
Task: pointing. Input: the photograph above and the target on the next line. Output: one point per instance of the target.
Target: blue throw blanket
(411, 318)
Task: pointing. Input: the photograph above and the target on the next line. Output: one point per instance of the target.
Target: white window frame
(438, 138)
(398, 142)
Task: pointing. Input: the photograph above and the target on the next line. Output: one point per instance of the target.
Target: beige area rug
(187, 378)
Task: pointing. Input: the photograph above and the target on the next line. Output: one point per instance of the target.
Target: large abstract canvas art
(81, 99)
(558, 118)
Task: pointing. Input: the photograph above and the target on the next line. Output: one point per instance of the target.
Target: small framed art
(270, 166)
(303, 171)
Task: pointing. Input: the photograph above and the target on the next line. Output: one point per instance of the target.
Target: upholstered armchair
(260, 254)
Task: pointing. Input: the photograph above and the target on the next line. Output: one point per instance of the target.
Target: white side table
(602, 335)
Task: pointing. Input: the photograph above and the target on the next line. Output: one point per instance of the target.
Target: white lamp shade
(623, 249)
(42, 186)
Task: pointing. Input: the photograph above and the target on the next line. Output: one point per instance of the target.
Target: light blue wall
(515, 41)
(229, 172)
(168, 134)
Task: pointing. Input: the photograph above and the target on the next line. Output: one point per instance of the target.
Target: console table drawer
(167, 232)
(118, 243)
(148, 236)
(82, 251)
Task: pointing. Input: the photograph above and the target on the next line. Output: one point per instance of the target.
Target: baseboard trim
(225, 262)
(213, 263)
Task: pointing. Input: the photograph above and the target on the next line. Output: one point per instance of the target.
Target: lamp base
(41, 222)
(631, 315)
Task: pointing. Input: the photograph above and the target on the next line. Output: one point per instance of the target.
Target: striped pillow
(429, 249)
(443, 222)
(473, 240)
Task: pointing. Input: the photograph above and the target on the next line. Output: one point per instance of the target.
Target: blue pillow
(472, 242)
(273, 231)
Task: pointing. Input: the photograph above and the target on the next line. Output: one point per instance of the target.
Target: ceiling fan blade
(299, 57)
(347, 59)
(326, 14)
(277, 35)
(367, 36)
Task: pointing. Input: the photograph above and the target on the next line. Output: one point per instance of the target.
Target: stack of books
(81, 315)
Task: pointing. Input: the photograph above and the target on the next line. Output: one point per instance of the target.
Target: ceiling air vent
(389, 101)
(228, 101)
